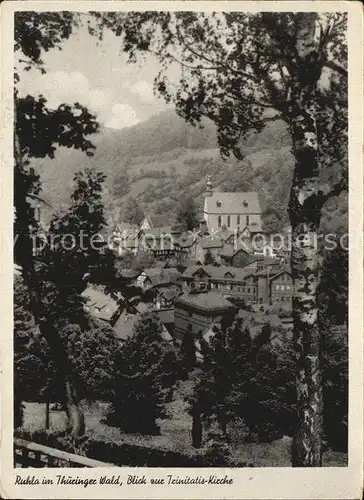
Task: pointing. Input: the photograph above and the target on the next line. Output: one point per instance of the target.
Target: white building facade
(235, 211)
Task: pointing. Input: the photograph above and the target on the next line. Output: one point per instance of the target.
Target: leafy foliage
(188, 351)
(145, 370)
(37, 31)
(34, 370)
(132, 212)
(333, 292)
(335, 375)
(246, 379)
(186, 215)
(41, 130)
(91, 353)
(75, 253)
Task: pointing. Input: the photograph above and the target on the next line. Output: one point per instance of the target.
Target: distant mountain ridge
(163, 159)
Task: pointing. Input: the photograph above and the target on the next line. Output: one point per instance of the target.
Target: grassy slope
(175, 435)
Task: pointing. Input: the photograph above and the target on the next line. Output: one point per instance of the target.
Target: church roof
(233, 203)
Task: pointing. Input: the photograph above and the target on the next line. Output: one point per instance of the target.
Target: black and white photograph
(181, 244)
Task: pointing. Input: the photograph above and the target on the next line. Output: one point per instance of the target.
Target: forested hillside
(163, 159)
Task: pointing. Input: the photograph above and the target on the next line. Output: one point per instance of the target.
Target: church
(233, 211)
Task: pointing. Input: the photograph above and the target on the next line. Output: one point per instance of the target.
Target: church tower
(209, 187)
(208, 194)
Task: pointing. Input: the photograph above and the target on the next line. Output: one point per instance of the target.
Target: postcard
(181, 249)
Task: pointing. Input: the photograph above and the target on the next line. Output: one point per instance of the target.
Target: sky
(96, 75)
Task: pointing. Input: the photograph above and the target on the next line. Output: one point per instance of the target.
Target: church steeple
(209, 186)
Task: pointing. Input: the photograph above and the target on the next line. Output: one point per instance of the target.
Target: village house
(158, 241)
(228, 281)
(195, 312)
(281, 287)
(256, 285)
(118, 312)
(235, 211)
(157, 277)
(186, 246)
(208, 247)
(124, 238)
(236, 255)
(153, 222)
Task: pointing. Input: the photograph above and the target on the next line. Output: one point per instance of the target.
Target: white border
(262, 483)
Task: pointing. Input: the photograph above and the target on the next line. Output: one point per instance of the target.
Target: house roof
(269, 261)
(218, 272)
(233, 203)
(186, 240)
(159, 276)
(207, 301)
(125, 324)
(250, 259)
(165, 280)
(282, 271)
(223, 234)
(99, 304)
(128, 273)
(166, 315)
(124, 327)
(210, 332)
(211, 241)
(156, 220)
(170, 293)
(126, 229)
(230, 250)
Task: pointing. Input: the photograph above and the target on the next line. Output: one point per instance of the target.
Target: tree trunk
(305, 212)
(24, 254)
(47, 414)
(75, 417)
(196, 431)
(222, 424)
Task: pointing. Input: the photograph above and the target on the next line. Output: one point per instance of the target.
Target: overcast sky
(96, 75)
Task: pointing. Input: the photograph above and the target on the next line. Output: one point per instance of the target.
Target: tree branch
(336, 67)
(218, 64)
(272, 119)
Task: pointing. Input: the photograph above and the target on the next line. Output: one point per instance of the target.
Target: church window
(247, 220)
(238, 220)
(228, 221)
(219, 220)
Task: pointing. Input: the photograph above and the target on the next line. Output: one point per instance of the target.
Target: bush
(217, 452)
(238, 431)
